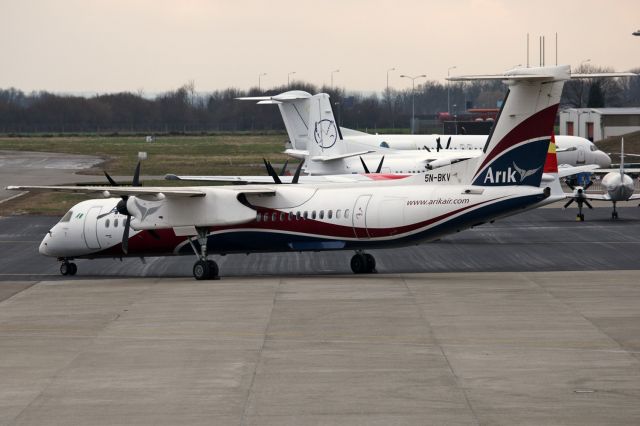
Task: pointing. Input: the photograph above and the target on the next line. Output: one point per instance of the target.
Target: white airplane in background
(161, 221)
(617, 185)
(295, 108)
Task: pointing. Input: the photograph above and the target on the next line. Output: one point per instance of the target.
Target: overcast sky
(158, 45)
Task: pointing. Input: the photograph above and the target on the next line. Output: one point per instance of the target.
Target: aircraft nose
(603, 160)
(44, 249)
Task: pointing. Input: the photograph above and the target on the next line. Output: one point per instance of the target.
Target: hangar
(599, 123)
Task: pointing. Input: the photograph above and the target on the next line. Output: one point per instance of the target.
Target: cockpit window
(593, 147)
(67, 216)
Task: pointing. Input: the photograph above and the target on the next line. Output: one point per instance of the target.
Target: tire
(201, 270)
(213, 269)
(371, 263)
(358, 263)
(64, 268)
(73, 269)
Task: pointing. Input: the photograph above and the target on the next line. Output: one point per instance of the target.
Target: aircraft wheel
(359, 263)
(64, 268)
(73, 268)
(201, 270)
(614, 215)
(213, 270)
(371, 263)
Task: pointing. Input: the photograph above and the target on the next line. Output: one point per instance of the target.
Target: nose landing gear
(68, 268)
(363, 263)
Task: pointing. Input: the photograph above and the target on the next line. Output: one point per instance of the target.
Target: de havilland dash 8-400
(159, 221)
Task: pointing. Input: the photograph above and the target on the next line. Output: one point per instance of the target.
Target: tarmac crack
(437, 344)
(243, 419)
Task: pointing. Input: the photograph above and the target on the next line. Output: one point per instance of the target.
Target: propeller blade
(449, 142)
(569, 203)
(125, 236)
(110, 179)
(284, 168)
(136, 176)
(366, 169)
(588, 185)
(296, 176)
(427, 148)
(569, 185)
(272, 172)
(104, 214)
(588, 204)
(438, 144)
(379, 169)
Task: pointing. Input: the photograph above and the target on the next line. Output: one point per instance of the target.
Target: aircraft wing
(244, 180)
(571, 170)
(617, 170)
(339, 157)
(108, 191)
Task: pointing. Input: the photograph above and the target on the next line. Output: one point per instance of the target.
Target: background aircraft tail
(517, 147)
(294, 108)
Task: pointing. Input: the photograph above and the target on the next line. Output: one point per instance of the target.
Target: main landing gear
(68, 268)
(204, 269)
(363, 263)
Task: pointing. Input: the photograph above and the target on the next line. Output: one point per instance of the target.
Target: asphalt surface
(547, 239)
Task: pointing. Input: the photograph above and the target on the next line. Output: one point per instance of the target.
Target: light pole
(449, 90)
(581, 84)
(333, 72)
(413, 97)
(259, 79)
(289, 75)
(390, 69)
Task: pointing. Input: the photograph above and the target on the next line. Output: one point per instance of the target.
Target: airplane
(618, 186)
(161, 221)
(295, 108)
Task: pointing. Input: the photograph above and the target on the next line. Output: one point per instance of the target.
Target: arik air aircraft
(163, 221)
(420, 151)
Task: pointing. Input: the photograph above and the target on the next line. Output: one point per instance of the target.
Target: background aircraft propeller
(366, 169)
(438, 144)
(274, 175)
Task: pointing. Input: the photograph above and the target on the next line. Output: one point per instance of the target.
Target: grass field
(239, 154)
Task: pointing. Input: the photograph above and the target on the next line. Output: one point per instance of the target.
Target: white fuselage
(617, 186)
(296, 218)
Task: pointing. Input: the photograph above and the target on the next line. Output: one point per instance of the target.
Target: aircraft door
(360, 216)
(91, 228)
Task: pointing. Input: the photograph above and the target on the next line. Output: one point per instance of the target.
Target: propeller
(284, 167)
(366, 169)
(569, 202)
(121, 207)
(276, 178)
(588, 185)
(449, 142)
(427, 148)
(438, 144)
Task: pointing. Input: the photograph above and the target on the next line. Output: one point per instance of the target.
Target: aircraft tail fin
(294, 108)
(325, 139)
(518, 144)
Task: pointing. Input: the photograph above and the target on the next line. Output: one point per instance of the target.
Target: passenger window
(274, 217)
(321, 214)
(106, 223)
(67, 216)
(330, 214)
(290, 216)
(346, 214)
(338, 213)
(115, 223)
(305, 215)
(258, 217)
(313, 214)
(297, 215)
(265, 217)
(281, 217)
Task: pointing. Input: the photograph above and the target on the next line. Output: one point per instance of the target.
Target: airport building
(599, 123)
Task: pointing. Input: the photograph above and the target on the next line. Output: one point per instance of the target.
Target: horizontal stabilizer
(115, 191)
(325, 158)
